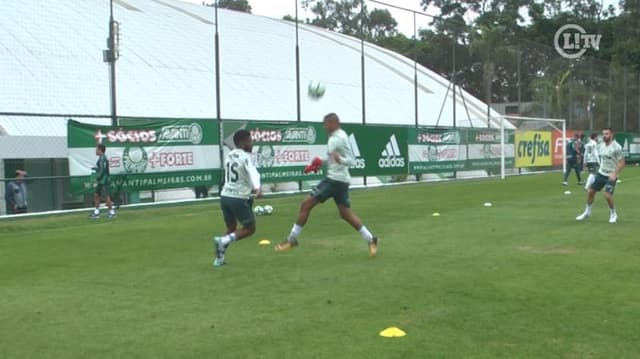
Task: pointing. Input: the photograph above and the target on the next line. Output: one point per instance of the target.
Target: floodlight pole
(298, 67)
(502, 150)
(217, 60)
(112, 57)
(362, 72)
(415, 68)
(218, 110)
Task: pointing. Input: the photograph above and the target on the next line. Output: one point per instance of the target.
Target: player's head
(242, 140)
(593, 136)
(331, 122)
(20, 174)
(607, 134)
(101, 149)
(576, 136)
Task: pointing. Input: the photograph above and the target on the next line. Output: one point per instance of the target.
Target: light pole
(110, 56)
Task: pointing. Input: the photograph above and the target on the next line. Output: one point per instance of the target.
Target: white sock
(364, 232)
(295, 232)
(613, 211)
(228, 238)
(96, 211)
(587, 210)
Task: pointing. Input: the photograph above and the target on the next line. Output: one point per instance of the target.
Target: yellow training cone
(264, 242)
(392, 332)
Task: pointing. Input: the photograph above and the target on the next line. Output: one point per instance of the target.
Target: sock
(613, 211)
(96, 211)
(364, 232)
(295, 233)
(228, 239)
(588, 209)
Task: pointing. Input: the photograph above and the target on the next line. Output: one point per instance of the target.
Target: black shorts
(237, 210)
(329, 188)
(103, 189)
(592, 167)
(601, 182)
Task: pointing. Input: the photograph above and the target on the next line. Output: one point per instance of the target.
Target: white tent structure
(51, 62)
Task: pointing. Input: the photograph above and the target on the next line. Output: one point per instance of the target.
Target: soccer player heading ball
(241, 179)
(611, 164)
(335, 185)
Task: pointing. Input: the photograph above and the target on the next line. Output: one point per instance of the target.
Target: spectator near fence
(16, 194)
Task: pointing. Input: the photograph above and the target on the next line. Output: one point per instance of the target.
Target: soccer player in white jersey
(591, 159)
(241, 180)
(611, 164)
(335, 185)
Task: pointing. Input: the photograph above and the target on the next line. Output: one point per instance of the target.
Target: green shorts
(601, 182)
(103, 189)
(237, 210)
(592, 167)
(329, 188)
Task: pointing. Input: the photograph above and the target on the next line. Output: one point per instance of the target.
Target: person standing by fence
(16, 194)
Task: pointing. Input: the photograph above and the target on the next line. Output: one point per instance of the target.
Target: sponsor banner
(281, 151)
(137, 182)
(435, 150)
(484, 149)
(487, 156)
(634, 148)
(559, 143)
(147, 154)
(533, 149)
(379, 150)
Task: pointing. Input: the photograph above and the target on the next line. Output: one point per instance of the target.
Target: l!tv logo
(572, 41)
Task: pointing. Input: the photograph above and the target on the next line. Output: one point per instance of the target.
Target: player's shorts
(103, 189)
(329, 188)
(601, 182)
(592, 167)
(237, 210)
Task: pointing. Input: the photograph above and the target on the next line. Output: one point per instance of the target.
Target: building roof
(51, 62)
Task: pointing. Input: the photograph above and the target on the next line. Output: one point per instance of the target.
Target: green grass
(522, 279)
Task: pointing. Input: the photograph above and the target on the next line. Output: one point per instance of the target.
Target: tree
(380, 24)
(346, 17)
(236, 5)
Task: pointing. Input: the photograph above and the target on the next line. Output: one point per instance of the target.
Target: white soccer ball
(258, 210)
(268, 210)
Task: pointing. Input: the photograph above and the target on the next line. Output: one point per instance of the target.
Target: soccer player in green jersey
(241, 180)
(103, 183)
(573, 159)
(611, 164)
(335, 185)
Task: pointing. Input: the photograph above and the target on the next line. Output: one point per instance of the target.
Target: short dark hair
(607, 129)
(241, 135)
(102, 147)
(331, 116)
(594, 135)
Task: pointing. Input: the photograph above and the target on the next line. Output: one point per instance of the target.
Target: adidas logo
(360, 162)
(391, 156)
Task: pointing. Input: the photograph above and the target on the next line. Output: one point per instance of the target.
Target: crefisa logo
(572, 41)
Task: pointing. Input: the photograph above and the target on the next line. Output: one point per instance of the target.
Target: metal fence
(529, 79)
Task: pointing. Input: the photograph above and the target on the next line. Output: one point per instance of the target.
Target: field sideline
(522, 279)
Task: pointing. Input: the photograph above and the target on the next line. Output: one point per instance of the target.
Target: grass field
(522, 279)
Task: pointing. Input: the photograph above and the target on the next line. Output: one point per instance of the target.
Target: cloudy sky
(280, 8)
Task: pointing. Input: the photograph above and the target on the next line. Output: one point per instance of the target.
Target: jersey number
(232, 172)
